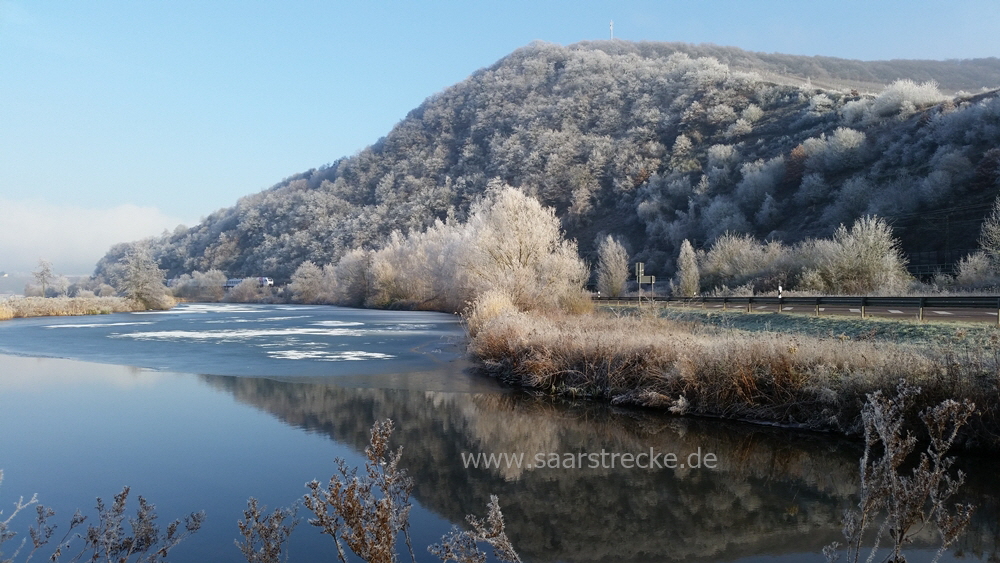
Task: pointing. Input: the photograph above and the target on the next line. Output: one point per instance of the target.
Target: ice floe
(322, 356)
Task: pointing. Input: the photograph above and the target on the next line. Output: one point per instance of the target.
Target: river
(203, 406)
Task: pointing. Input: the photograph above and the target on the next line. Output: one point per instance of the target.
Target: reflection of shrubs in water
(367, 511)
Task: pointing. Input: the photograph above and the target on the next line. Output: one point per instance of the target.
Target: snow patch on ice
(322, 356)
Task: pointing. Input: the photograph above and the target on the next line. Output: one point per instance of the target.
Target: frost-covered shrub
(723, 215)
(207, 286)
(248, 291)
(721, 114)
(904, 97)
(820, 104)
(844, 148)
(739, 259)
(740, 127)
(813, 189)
(976, 271)
(864, 259)
(516, 245)
(760, 178)
(752, 113)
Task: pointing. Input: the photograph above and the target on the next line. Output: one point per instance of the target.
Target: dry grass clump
(810, 382)
(65, 306)
(487, 307)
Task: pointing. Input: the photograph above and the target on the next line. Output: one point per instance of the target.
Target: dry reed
(65, 306)
(801, 381)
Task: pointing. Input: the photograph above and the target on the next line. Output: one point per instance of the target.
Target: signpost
(641, 278)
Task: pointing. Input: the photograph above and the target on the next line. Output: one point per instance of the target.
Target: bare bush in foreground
(264, 535)
(107, 539)
(366, 513)
(369, 513)
(906, 500)
(462, 546)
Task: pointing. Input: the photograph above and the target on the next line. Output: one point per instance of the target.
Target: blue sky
(121, 118)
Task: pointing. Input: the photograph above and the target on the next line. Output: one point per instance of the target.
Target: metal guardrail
(860, 302)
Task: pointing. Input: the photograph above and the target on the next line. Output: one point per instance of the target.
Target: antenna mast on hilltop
(612, 29)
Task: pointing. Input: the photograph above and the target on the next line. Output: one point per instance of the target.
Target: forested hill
(649, 143)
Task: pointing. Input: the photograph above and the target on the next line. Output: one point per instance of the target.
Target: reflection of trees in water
(774, 491)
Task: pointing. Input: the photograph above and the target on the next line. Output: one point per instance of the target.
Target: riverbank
(22, 307)
(708, 367)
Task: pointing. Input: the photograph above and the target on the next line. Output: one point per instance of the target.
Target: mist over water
(74, 430)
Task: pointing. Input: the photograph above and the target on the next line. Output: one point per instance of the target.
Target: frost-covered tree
(688, 281)
(247, 291)
(43, 275)
(989, 233)
(310, 285)
(142, 280)
(516, 245)
(612, 267)
(207, 286)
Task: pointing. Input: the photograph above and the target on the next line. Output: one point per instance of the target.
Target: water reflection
(773, 492)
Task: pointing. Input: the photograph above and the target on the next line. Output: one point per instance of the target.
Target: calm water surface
(204, 406)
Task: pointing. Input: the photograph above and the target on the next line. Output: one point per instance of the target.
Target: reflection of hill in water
(774, 491)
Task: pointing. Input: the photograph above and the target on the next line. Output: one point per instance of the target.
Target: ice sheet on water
(254, 320)
(336, 323)
(94, 325)
(235, 334)
(323, 356)
(206, 308)
(406, 327)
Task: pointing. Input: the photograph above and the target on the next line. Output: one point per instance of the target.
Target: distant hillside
(652, 142)
(971, 75)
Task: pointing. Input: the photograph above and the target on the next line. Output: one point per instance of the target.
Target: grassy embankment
(795, 371)
(65, 306)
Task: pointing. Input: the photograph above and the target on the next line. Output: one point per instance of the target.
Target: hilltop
(652, 142)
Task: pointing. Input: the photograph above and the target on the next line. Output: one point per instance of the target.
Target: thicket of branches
(640, 141)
